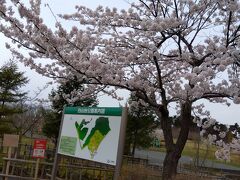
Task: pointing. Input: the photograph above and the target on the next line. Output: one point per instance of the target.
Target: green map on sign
(96, 135)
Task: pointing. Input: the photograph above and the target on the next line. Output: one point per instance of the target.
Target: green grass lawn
(205, 152)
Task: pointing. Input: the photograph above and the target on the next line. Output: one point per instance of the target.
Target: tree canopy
(165, 51)
(11, 82)
(141, 123)
(59, 98)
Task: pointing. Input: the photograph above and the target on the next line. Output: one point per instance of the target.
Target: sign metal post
(38, 152)
(121, 144)
(56, 157)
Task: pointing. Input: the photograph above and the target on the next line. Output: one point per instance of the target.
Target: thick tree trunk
(170, 165)
(174, 150)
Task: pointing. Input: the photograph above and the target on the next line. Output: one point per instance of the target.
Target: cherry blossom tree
(225, 137)
(164, 51)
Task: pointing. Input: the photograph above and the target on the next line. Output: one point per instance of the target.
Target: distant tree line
(16, 114)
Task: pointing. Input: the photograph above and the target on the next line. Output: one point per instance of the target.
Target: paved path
(157, 158)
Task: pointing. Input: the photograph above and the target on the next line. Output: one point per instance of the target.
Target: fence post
(36, 169)
(8, 161)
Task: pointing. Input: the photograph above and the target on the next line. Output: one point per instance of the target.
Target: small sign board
(10, 140)
(39, 148)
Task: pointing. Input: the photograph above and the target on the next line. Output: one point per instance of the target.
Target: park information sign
(91, 133)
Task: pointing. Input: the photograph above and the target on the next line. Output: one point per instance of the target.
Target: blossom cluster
(162, 51)
(226, 139)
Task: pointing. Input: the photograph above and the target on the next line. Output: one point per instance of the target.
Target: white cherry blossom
(163, 51)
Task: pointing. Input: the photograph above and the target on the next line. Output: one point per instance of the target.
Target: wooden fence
(23, 166)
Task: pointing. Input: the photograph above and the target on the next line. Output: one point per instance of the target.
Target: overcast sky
(224, 114)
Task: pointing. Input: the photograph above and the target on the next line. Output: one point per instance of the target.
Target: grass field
(205, 152)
